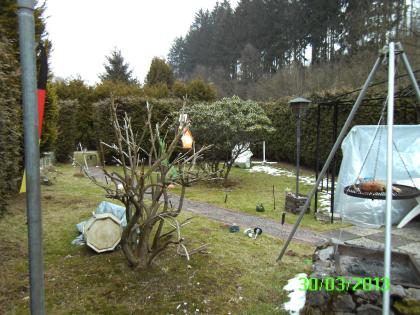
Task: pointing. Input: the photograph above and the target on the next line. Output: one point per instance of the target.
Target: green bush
(157, 91)
(226, 124)
(179, 89)
(198, 90)
(10, 124)
(50, 121)
(160, 73)
(135, 107)
(66, 137)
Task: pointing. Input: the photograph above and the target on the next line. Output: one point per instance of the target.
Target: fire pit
(354, 261)
(405, 192)
(348, 262)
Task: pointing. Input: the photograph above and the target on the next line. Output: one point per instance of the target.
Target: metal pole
(263, 152)
(297, 152)
(410, 72)
(332, 153)
(388, 213)
(318, 127)
(30, 123)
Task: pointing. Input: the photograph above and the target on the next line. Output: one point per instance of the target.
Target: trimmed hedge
(67, 130)
(50, 121)
(135, 107)
(10, 125)
(281, 145)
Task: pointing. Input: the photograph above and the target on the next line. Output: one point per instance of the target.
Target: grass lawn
(236, 275)
(248, 189)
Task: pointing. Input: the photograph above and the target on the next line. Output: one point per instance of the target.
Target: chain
(381, 121)
(372, 142)
(405, 165)
(379, 144)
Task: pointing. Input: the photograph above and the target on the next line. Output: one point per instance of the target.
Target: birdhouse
(187, 139)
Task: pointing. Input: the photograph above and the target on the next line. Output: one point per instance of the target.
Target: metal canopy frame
(336, 104)
(388, 52)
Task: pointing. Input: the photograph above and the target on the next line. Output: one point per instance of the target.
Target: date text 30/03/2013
(343, 284)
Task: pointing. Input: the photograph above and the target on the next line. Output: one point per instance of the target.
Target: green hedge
(50, 121)
(281, 145)
(135, 107)
(67, 130)
(10, 125)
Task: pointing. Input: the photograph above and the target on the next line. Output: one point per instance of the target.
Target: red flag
(41, 93)
(42, 88)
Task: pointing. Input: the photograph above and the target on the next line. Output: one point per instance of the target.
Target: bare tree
(143, 186)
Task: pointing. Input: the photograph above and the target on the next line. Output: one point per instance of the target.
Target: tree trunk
(142, 247)
(133, 261)
(228, 168)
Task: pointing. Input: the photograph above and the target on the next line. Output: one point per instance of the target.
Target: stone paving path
(406, 239)
(244, 220)
(269, 226)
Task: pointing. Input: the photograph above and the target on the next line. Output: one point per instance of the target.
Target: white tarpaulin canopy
(367, 212)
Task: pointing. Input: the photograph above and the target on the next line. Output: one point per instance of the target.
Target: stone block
(344, 303)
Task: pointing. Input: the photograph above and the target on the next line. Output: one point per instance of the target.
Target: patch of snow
(261, 162)
(323, 197)
(297, 296)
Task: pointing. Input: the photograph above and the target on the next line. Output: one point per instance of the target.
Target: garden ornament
(257, 231)
(259, 207)
(234, 228)
(249, 232)
(187, 139)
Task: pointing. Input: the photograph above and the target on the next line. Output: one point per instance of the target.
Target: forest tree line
(239, 49)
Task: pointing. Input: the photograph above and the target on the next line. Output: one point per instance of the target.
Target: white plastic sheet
(367, 212)
(244, 159)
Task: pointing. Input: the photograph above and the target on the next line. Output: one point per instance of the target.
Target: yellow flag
(23, 185)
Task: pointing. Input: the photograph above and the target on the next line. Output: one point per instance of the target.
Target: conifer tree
(160, 73)
(117, 70)
(66, 137)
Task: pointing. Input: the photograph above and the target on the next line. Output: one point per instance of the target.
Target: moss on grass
(248, 189)
(236, 274)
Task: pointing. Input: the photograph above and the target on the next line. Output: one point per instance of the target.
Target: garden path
(268, 226)
(405, 240)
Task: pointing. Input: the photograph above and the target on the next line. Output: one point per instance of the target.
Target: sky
(83, 32)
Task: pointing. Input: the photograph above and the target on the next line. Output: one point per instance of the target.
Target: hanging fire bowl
(405, 192)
